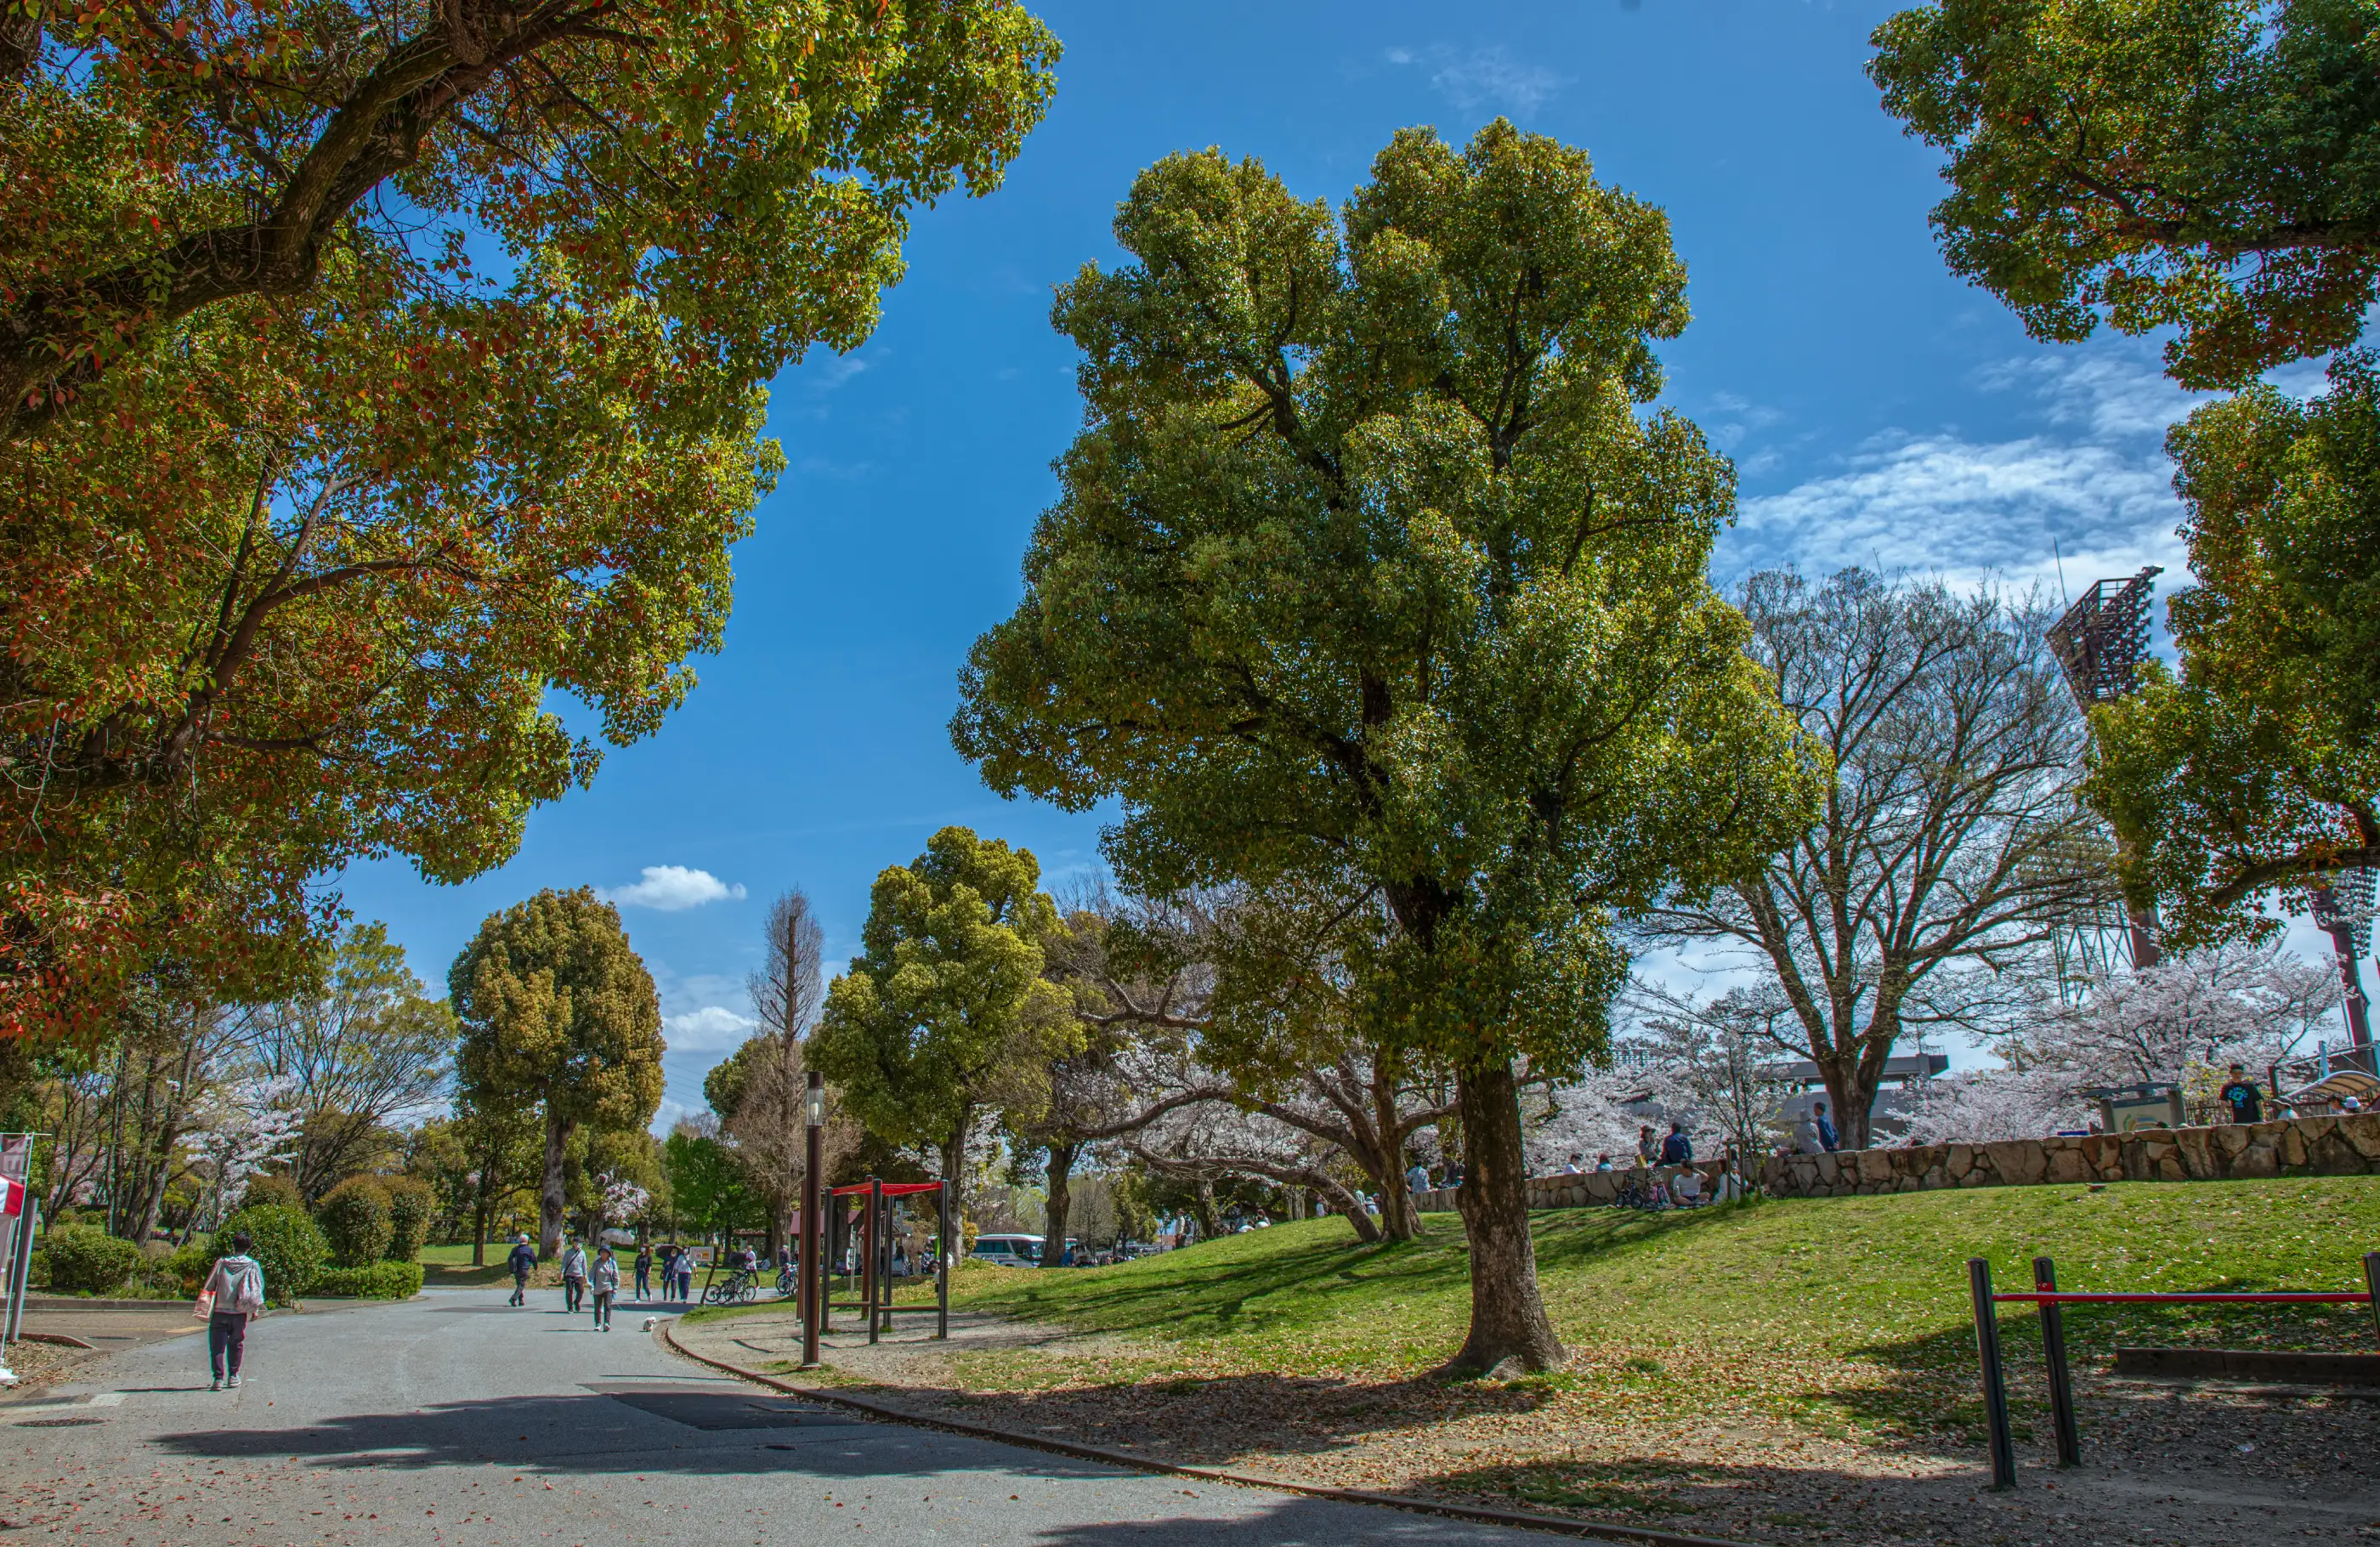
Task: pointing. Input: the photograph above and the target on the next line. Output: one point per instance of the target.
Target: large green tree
(2209, 166)
(558, 1016)
(945, 1013)
(2254, 774)
(1367, 564)
(369, 374)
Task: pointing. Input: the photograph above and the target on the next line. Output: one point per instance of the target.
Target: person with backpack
(523, 1262)
(574, 1277)
(233, 1293)
(605, 1280)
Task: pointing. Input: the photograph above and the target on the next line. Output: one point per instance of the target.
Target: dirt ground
(2198, 1465)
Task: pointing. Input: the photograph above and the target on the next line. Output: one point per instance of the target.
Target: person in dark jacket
(1677, 1150)
(1829, 1139)
(523, 1262)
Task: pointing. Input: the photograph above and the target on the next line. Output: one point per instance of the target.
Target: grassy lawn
(450, 1267)
(1847, 1316)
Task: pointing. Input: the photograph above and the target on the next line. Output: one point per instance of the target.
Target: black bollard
(1987, 1346)
(2053, 1351)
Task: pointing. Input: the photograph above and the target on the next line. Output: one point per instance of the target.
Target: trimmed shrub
(410, 1202)
(272, 1193)
(355, 1216)
(290, 1247)
(375, 1281)
(189, 1264)
(85, 1260)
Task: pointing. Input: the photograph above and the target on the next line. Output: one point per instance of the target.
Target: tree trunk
(1850, 1091)
(954, 1162)
(552, 1201)
(1210, 1225)
(1507, 1314)
(1400, 1215)
(1366, 1231)
(480, 1230)
(1061, 1191)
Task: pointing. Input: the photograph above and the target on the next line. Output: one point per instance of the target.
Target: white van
(1012, 1251)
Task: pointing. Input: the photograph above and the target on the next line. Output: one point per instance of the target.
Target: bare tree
(360, 1048)
(1247, 999)
(1718, 1056)
(759, 1090)
(1951, 844)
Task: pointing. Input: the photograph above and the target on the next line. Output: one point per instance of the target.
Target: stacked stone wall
(2348, 1145)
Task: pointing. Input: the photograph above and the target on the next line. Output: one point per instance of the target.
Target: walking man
(606, 1283)
(234, 1289)
(644, 1269)
(574, 1277)
(523, 1262)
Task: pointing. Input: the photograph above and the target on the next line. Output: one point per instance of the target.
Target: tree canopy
(1365, 562)
(2209, 166)
(2254, 773)
(946, 1008)
(370, 377)
(559, 1015)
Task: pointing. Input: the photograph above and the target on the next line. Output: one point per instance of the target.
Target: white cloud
(673, 889)
(1484, 78)
(710, 1029)
(2095, 488)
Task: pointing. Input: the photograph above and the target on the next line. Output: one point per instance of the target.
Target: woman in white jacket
(235, 1290)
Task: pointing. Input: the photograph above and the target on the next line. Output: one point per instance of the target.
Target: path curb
(1558, 1525)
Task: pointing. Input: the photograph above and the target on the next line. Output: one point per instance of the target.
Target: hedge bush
(272, 1193)
(355, 1216)
(410, 1202)
(375, 1281)
(85, 1260)
(290, 1247)
(189, 1264)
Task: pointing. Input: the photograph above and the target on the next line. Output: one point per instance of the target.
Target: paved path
(453, 1420)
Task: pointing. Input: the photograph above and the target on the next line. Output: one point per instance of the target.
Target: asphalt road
(455, 1420)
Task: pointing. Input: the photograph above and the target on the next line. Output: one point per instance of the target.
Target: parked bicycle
(740, 1287)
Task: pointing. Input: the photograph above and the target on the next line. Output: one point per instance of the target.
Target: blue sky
(1879, 413)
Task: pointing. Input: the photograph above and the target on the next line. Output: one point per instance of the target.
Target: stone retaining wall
(1577, 1191)
(2338, 1145)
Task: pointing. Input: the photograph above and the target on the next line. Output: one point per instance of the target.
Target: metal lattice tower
(2103, 638)
(2099, 645)
(2346, 904)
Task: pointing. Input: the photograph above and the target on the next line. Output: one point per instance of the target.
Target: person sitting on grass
(1686, 1186)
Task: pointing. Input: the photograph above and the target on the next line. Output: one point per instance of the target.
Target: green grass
(1836, 1313)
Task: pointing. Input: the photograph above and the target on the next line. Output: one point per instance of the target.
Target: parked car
(1007, 1250)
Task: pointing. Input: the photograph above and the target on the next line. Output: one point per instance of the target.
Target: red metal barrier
(2051, 1299)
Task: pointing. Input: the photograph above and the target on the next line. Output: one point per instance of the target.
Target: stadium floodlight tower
(2100, 645)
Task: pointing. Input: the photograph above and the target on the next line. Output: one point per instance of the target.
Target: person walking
(1827, 1139)
(685, 1274)
(644, 1269)
(523, 1262)
(574, 1277)
(233, 1292)
(605, 1279)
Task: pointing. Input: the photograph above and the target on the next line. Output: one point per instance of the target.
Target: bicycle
(738, 1288)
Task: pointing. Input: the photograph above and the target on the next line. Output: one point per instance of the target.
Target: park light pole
(813, 1237)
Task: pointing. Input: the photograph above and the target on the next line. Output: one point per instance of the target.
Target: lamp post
(813, 1237)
